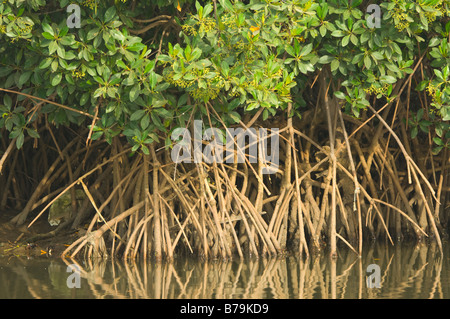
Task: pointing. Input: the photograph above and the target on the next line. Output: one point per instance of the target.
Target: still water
(405, 271)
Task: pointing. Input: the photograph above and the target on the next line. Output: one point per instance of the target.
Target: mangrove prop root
(342, 186)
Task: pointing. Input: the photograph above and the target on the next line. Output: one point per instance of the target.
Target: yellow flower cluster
(441, 6)
(211, 91)
(374, 90)
(188, 29)
(431, 16)
(229, 21)
(402, 17)
(91, 4)
(240, 45)
(78, 74)
(180, 82)
(444, 11)
(201, 94)
(207, 24)
(234, 94)
(203, 25)
(25, 30)
(431, 90)
(237, 92)
(20, 31)
(307, 5)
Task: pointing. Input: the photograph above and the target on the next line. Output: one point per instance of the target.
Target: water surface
(406, 271)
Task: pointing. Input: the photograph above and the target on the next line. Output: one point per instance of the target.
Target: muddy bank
(35, 241)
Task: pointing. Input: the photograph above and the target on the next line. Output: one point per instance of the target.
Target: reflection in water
(405, 272)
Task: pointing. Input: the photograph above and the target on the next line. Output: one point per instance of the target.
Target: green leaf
(19, 140)
(54, 65)
(98, 92)
(33, 133)
(61, 52)
(414, 132)
(7, 101)
(334, 65)
(135, 147)
(111, 92)
(422, 85)
(388, 79)
(265, 114)
(4, 71)
(225, 67)
(437, 150)
(447, 116)
(339, 95)
(84, 98)
(47, 28)
(252, 106)
(56, 79)
(438, 141)
(24, 77)
(52, 47)
(96, 135)
(306, 49)
(157, 121)
(110, 13)
(189, 77)
(153, 80)
(64, 30)
(434, 42)
(136, 47)
(121, 64)
(419, 115)
(48, 36)
(98, 79)
(145, 121)
(69, 55)
(338, 33)
(377, 55)
(355, 3)
(116, 34)
(227, 5)
(134, 93)
(150, 66)
(367, 62)
(325, 59)
(145, 150)
(92, 33)
(137, 115)
(424, 127)
(235, 116)
(345, 40)
(323, 30)
(67, 40)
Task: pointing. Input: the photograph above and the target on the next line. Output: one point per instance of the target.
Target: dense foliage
(240, 56)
